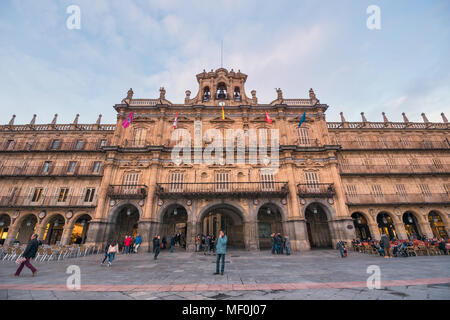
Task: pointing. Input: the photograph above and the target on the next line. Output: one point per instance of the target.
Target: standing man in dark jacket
(29, 253)
(386, 245)
(156, 246)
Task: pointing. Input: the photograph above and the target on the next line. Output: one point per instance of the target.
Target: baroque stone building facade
(335, 181)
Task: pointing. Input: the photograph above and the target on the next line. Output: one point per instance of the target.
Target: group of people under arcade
(398, 248)
(280, 244)
(205, 244)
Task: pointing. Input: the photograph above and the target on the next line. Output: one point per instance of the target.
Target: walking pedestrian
(137, 243)
(156, 246)
(342, 249)
(112, 250)
(29, 253)
(198, 242)
(106, 252)
(272, 238)
(221, 250)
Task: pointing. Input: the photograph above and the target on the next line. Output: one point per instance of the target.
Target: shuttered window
(130, 182)
(63, 194)
(312, 181)
(139, 137)
(37, 194)
(176, 181)
(267, 181)
(89, 195)
(303, 136)
(222, 180)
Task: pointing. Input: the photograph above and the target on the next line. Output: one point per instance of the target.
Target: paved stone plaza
(318, 274)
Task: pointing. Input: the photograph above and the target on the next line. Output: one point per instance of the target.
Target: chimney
(33, 121)
(11, 122)
(444, 118)
(425, 119)
(54, 120)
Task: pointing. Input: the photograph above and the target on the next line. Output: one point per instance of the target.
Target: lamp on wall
(175, 211)
(128, 212)
(269, 211)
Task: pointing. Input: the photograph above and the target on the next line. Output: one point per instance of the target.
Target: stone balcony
(316, 190)
(124, 191)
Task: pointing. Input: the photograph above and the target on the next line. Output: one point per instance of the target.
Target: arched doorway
(80, 229)
(437, 225)
(410, 222)
(269, 221)
(174, 222)
(54, 230)
(361, 226)
(26, 229)
(126, 223)
(227, 218)
(386, 225)
(5, 221)
(319, 235)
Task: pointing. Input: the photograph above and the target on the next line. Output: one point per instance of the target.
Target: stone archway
(269, 219)
(80, 229)
(361, 226)
(437, 225)
(386, 225)
(174, 222)
(124, 223)
(27, 227)
(54, 228)
(226, 217)
(317, 226)
(5, 222)
(411, 225)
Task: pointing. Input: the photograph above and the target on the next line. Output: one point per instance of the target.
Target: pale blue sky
(295, 45)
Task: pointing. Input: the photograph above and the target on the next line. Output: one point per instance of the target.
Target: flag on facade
(268, 120)
(128, 121)
(222, 104)
(175, 121)
(302, 119)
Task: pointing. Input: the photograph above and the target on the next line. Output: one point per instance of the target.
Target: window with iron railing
(47, 167)
(89, 195)
(63, 194)
(103, 143)
(176, 181)
(37, 194)
(267, 181)
(97, 166)
(71, 167)
(351, 190)
(139, 137)
(400, 189)
(79, 145)
(376, 190)
(130, 182)
(425, 189)
(55, 144)
(222, 180)
(303, 137)
(312, 181)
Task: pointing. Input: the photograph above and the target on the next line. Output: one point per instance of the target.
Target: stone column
(251, 235)
(12, 233)
(298, 234)
(192, 230)
(96, 234)
(67, 232)
(144, 227)
(400, 230)
(374, 231)
(425, 228)
(102, 204)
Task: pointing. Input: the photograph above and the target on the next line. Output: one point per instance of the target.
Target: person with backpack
(386, 245)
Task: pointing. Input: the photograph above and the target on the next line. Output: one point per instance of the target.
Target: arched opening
(5, 222)
(174, 223)
(227, 218)
(54, 230)
(269, 221)
(206, 94)
(317, 225)
(437, 225)
(386, 225)
(26, 229)
(361, 226)
(237, 94)
(221, 91)
(80, 229)
(126, 223)
(411, 225)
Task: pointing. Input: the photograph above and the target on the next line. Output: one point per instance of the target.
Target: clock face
(222, 104)
(42, 214)
(69, 214)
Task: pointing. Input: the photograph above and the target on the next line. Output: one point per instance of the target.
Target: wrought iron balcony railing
(222, 189)
(369, 199)
(123, 191)
(394, 145)
(394, 169)
(316, 190)
(56, 171)
(48, 201)
(24, 146)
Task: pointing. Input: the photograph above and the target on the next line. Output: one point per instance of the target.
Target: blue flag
(302, 119)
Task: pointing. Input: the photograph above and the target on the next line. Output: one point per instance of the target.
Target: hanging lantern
(385, 220)
(83, 222)
(410, 219)
(128, 212)
(359, 221)
(268, 211)
(315, 210)
(56, 223)
(28, 223)
(175, 211)
(2, 223)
